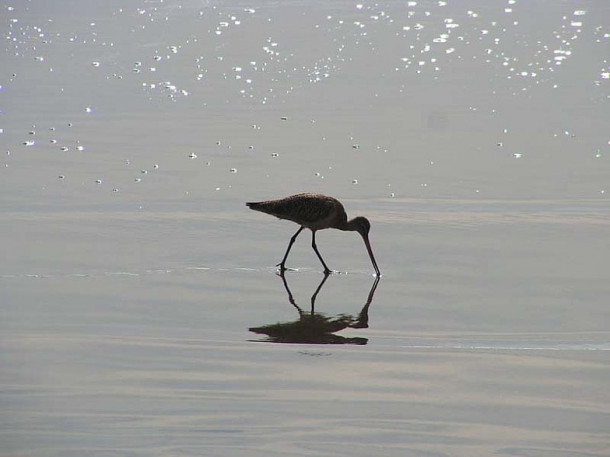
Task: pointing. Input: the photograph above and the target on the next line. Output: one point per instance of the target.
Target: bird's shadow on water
(317, 328)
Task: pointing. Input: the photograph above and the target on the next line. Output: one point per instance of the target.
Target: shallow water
(133, 277)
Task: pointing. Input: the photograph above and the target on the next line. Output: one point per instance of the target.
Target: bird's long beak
(367, 243)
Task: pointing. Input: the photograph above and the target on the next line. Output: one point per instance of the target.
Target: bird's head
(361, 225)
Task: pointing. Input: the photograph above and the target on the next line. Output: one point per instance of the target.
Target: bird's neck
(349, 226)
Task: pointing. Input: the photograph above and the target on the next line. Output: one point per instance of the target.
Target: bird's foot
(281, 268)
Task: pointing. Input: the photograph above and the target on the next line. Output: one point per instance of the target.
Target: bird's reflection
(317, 328)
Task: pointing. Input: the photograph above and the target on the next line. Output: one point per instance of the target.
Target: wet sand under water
(163, 360)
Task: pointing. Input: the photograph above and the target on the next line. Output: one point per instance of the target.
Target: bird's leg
(315, 248)
(294, 237)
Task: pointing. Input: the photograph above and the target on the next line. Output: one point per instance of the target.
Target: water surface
(474, 137)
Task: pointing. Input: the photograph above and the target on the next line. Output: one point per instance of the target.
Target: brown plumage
(315, 212)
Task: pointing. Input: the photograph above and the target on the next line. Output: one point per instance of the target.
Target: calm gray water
(141, 313)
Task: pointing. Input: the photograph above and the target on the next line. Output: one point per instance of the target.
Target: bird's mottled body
(315, 212)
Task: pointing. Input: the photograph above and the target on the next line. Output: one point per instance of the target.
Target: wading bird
(315, 212)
